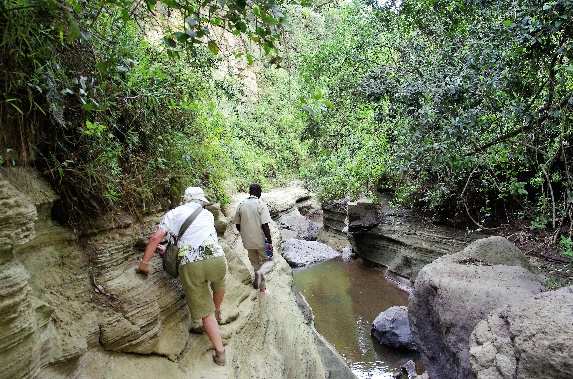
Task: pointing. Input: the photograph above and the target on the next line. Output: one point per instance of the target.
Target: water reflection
(346, 297)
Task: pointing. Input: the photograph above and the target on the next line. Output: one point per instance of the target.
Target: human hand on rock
(143, 268)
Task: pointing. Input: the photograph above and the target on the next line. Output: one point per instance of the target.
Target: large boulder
(282, 200)
(454, 293)
(400, 239)
(531, 340)
(392, 328)
(295, 225)
(300, 253)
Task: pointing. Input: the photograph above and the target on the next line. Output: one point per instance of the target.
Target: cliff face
(74, 307)
(399, 238)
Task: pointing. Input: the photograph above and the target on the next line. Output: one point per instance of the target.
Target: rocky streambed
(346, 297)
(342, 296)
(478, 308)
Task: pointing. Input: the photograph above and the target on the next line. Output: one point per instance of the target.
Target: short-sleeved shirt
(200, 239)
(251, 214)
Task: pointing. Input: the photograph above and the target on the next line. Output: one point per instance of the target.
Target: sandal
(219, 357)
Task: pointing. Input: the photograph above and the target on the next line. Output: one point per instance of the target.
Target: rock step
(300, 253)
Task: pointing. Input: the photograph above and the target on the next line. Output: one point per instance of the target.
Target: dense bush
(332, 51)
(264, 131)
(114, 101)
(461, 108)
(485, 93)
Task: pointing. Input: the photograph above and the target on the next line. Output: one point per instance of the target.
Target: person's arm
(267, 231)
(237, 218)
(265, 221)
(152, 244)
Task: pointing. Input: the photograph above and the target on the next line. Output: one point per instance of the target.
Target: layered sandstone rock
(282, 200)
(17, 214)
(74, 307)
(20, 326)
(334, 215)
(400, 239)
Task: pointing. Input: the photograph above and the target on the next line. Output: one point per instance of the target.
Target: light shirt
(200, 239)
(251, 214)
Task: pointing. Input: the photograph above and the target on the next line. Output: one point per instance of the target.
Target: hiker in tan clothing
(252, 219)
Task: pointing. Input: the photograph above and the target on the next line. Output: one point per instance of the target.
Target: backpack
(171, 258)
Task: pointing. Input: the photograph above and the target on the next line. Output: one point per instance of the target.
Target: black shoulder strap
(188, 222)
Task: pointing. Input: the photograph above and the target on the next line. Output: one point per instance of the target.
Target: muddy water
(345, 298)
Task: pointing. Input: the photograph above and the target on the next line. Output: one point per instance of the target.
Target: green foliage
(463, 109)
(336, 48)
(486, 99)
(566, 246)
(264, 132)
(111, 117)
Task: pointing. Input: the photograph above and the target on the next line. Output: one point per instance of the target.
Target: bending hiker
(252, 219)
(203, 266)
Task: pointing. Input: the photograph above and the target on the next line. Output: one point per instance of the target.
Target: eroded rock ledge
(400, 239)
(72, 306)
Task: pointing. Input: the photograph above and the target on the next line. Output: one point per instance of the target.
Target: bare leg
(212, 329)
(264, 270)
(218, 300)
(254, 258)
(267, 267)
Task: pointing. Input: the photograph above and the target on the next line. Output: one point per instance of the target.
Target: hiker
(203, 266)
(252, 219)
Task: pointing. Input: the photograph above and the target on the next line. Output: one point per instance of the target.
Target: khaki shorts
(258, 258)
(198, 280)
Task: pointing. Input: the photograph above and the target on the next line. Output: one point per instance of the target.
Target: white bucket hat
(194, 193)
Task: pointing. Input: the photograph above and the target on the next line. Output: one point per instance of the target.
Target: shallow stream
(345, 298)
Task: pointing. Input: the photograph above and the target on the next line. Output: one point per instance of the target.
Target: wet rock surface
(406, 371)
(300, 253)
(347, 253)
(392, 328)
(454, 293)
(528, 340)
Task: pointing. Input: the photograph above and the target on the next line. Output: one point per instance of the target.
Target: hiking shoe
(257, 282)
(219, 357)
